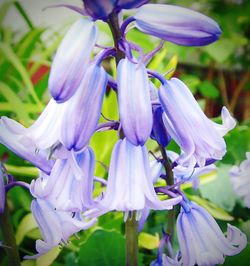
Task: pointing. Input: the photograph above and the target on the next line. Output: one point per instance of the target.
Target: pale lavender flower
(201, 240)
(13, 136)
(130, 186)
(199, 138)
(177, 24)
(69, 186)
(83, 110)
(56, 226)
(134, 101)
(72, 59)
(240, 179)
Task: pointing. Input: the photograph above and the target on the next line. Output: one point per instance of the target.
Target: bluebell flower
(199, 138)
(130, 186)
(83, 110)
(72, 59)
(134, 101)
(102, 9)
(240, 179)
(69, 186)
(2, 190)
(177, 24)
(55, 226)
(13, 136)
(201, 240)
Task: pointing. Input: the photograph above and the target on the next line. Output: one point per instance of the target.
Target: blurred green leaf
(241, 259)
(148, 241)
(220, 190)
(103, 248)
(207, 89)
(191, 81)
(27, 224)
(48, 258)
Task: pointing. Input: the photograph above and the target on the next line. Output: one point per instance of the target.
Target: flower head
(177, 24)
(201, 240)
(240, 179)
(200, 138)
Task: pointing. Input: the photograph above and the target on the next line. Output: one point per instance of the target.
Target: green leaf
(215, 211)
(15, 102)
(207, 89)
(48, 258)
(4, 10)
(22, 170)
(27, 224)
(221, 50)
(148, 241)
(103, 248)
(241, 259)
(220, 190)
(7, 52)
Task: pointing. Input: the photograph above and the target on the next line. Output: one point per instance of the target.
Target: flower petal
(177, 24)
(71, 60)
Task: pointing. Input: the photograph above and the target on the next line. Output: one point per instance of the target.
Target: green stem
(170, 181)
(9, 240)
(131, 225)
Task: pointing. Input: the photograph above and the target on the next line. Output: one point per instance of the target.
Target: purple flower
(134, 101)
(56, 226)
(2, 190)
(83, 110)
(130, 186)
(177, 24)
(240, 179)
(199, 138)
(72, 59)
(69, 187)
(13, 136)
(201, 240)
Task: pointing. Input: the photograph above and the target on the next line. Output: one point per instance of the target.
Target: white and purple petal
(177, 24)
(134, 101)
(72, 59)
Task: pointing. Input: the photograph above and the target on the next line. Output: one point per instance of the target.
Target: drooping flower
(72, 59)
(177, 24)
(83, 110)
(240, 179)
(130, 186)
(69, 186)
(55, 226)
(134, 101)
(13, 136)
(201, 240)
(2, 190)
(199, 138)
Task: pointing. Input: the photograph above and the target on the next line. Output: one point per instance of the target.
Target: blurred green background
(217, 75)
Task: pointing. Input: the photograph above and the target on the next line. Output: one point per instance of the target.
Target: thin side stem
(170, 182)
(131, 225)
(9, 240)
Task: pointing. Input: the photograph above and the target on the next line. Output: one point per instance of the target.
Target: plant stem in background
(131, 225)
(9, 240)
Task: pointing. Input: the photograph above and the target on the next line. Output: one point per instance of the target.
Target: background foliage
(217, 75)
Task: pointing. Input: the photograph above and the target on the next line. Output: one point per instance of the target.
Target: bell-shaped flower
(134, 101)
(83, 110)
(69, 187)
(240, 179)
(2, 190)
(72, 59)
(201, 240)
(177, 24)
(13, 136)
(55, 226)
(130, 186)
(199, 138)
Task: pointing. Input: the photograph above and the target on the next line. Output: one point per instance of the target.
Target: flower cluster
(58, 141)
